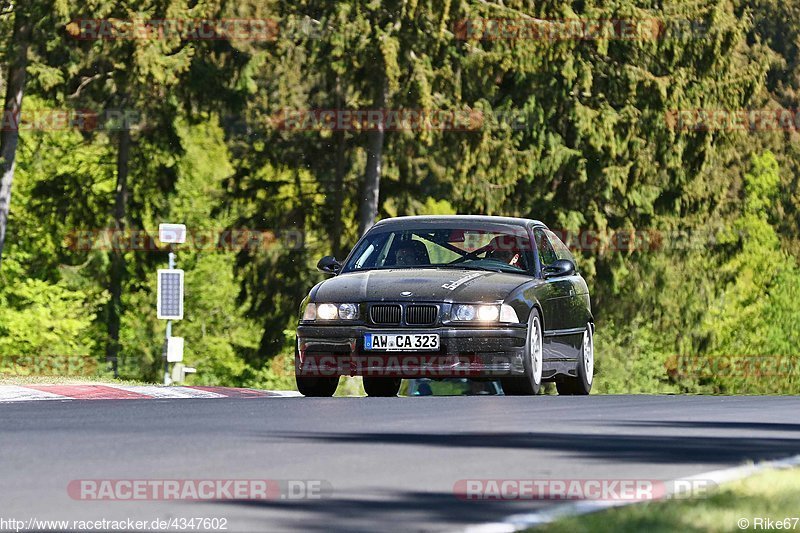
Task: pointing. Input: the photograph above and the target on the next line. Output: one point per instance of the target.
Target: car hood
(437, 285)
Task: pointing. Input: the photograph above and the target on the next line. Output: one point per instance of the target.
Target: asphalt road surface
(391, 464)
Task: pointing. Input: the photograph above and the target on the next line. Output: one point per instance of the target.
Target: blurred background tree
(584, 143)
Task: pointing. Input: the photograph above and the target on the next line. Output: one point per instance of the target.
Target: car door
(573, 308)
(561, 337)
(557, 290)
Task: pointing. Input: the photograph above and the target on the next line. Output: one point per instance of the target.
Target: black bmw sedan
(441, 297)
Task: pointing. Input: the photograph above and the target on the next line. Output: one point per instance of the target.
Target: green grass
(774, 494)
(350, 386)
(67, 380)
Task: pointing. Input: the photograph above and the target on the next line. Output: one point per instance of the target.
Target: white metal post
(171, 234)
(167, 379)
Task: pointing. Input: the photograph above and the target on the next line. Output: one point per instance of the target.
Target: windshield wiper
(449, 266)
(463, 266)
(467, 266)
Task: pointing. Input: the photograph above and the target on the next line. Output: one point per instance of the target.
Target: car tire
(382, 387)
(581, 384)
(531, 383)
(313, 386)
(317, 387)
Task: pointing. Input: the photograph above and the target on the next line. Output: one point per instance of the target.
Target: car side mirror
(558, 269)
(329, 265)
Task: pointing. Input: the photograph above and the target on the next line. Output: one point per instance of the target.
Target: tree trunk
(117, 255)
(338, 182)
(9, 136)
(368, 210)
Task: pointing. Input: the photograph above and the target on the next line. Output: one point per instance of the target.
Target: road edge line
(520, 521)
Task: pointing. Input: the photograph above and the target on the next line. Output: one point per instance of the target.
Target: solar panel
(170, 294)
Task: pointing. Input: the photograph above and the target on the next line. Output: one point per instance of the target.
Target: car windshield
(501, 248)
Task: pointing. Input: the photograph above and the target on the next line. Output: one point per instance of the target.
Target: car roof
(437, 219)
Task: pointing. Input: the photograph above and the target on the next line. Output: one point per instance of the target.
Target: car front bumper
(473, 352)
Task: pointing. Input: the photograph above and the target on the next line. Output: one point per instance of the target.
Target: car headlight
(331, 312)
(327, 312)
(464, 312)
(348, 311)
(485, 313)
(488, 313)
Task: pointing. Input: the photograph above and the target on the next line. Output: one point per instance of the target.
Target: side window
(546, 253)
(561, 250)
(373, 253)
(364, 256)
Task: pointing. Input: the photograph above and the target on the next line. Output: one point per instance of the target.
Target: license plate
(396, 342)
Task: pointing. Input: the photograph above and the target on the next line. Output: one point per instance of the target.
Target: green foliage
(756, 311)
(45, 328)
(630, 359)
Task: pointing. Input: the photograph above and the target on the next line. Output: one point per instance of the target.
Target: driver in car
(506, 249)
